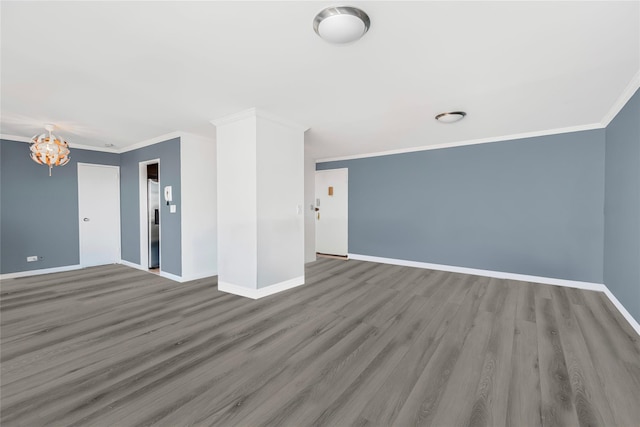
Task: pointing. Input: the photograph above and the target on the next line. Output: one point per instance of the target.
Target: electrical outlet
(32, 258)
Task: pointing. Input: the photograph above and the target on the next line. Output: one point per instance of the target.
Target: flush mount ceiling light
(451, 117)
(49, 149)
(343, 24)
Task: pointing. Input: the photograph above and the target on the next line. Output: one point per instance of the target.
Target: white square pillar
(260, 162)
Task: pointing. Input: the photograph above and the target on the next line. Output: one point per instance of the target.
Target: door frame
(144, 224)
(117, 202)
(315, 201)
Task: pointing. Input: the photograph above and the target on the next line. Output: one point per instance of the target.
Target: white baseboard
(132, 265)
(180, 279)
(487, 273)
(199, 276)
(38, 272)
(171, 277)
(502, 275)
(161, 273)
(261, 292)
(633, 322)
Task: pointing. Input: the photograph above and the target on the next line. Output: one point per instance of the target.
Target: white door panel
(332, 211)
(99, 208)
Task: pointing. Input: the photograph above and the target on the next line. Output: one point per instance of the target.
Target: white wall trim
(38, 272)
(233, 117)
(261, 292)
(171, 277)
(197, 276)
(281, 121)
(633, 322)
(255, 112)
(488, 140)
(599, 287)
(165, 274)
(72, 145)
(161, 273)
(487, 273)
(151, 141)
(626, 95)
(132, 265)
(116, 150)
(16, 138)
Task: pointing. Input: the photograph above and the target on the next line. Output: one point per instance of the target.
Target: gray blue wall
(622, 207)
(531, 206)
(170, 229)
(38, 213)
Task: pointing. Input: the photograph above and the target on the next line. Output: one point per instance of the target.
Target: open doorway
(153, 217)
(150, 215)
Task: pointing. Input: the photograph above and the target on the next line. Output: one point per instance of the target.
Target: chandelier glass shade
(50, 150)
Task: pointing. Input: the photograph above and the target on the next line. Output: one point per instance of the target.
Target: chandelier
(49, 149)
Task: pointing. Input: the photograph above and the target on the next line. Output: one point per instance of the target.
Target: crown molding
(626, 95)
(188, 136)
(234, 117)
(151, 141)
(92, 148)
(467, 142)
(115, 150)
(255, 112)
(73, 145)
(15, 138)
(282, 121)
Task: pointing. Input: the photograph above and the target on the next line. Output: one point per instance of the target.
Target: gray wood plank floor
(360, 344)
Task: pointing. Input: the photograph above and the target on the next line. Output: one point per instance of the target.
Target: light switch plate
(172, 208)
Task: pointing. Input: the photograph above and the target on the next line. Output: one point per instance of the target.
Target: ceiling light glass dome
(341, 24)
(451, 117)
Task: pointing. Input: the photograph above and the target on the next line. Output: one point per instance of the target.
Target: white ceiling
(121, 73)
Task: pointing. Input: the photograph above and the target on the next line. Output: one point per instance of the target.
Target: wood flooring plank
(524, 406)
(495, 297)
(491, 397)
(303, 392)
(157, 368)
(361, 344)
(526, 301)
(209, 377)
(592, 406)
(201, 335)
(346, 409)
(599, 302)
(465, 375)
(421, 404)
(387, 402)
(233, 394)
(397, 302)
(460, 287)
(557, 395)
(341, 373)
(611, 359)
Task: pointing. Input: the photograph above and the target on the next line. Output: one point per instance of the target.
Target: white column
(260, 162)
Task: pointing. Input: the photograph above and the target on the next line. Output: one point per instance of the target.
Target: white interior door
(99, 208)
(332, 211)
